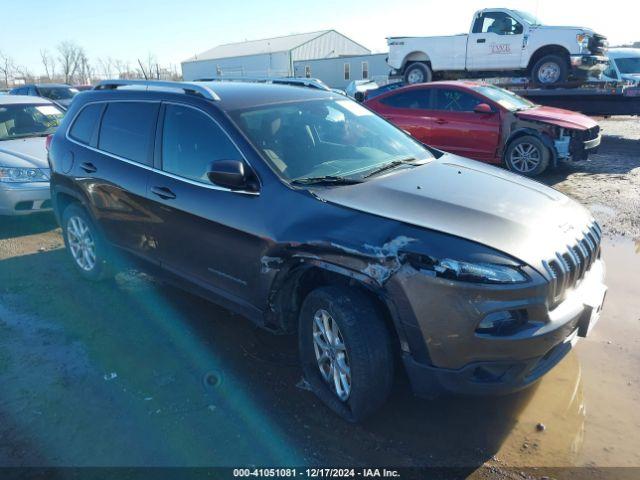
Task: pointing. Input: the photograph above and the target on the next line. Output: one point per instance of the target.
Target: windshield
(505, 98)
(19, 121)
(57, 93)
(527, 17)
(628, 65)
(325, 137)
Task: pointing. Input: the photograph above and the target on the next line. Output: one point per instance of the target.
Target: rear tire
(85, 244)
(350, 368)
(527, 155)
(417, 73)
(550, 70)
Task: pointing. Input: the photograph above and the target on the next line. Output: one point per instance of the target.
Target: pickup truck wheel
(84, 244)
(345, 350)
(417, 73)
(549, 70)
(527, 156)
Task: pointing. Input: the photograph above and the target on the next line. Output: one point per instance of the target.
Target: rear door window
(455, 100)
(85, 124)
(127, 130)
(191, 141)
(413, 99)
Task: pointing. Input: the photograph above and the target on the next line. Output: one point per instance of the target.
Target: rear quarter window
(85, 123)
(127, 130)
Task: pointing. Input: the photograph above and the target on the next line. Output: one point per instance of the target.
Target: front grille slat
(569, 267)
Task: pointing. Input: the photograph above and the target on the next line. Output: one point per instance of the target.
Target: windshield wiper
(325, 180)
(390, 166)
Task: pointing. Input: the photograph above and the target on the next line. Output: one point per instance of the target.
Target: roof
(258, 47)
(232, 95)
(42, 85)
(23, 100)
(623, 52)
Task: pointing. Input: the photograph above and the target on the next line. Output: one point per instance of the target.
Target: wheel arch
(548, 50)
(526, 131)
(416, 57)
(294, 283)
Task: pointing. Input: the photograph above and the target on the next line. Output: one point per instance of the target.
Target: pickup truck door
(495, 42)
(456, 128)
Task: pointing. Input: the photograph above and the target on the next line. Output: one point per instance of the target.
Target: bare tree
(48, 62)
(106, 66)
(7, 68)
(85, 70)
(69, 58)
(122, 68)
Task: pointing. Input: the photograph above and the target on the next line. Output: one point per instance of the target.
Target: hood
(564, 28)
(474, 201)
(557, 116)
(632, 77)
(24, 152)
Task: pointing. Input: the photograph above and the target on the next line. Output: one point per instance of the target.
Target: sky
(176, 30)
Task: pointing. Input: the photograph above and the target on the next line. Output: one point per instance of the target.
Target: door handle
(88, 167)
(163, 192)
(481, 40)
(440, 121)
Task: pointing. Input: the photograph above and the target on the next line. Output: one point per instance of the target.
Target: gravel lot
(135, 373)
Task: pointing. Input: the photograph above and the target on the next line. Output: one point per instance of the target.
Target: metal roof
(258, 47)
(11, 99)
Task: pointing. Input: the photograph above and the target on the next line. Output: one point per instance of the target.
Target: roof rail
(295, 81)
(188, 88)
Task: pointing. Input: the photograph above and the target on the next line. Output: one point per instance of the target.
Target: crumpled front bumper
(583, 65)
(456, 358)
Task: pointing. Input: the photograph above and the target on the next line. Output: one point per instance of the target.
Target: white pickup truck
(501, 42)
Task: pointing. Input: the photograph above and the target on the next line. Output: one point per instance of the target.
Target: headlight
(470, 272)
(583, 41)
(23, 175)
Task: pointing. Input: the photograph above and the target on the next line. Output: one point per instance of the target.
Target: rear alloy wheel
(84, 244)
(417, 73)
(345, 351)
(527, 156)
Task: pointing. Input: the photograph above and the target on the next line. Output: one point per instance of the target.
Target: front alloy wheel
(527, 156)
(331, 354)
(345, 350)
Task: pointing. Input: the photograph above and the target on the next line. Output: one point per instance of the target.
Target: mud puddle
(585, 411)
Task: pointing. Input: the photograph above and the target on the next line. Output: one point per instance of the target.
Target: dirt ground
(134, 373)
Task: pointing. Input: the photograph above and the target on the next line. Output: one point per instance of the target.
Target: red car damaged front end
(574, 135)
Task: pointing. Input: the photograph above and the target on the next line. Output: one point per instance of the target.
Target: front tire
(418, 73)
(345, 350)
(527, 155)
(85, 244)
(550, 70)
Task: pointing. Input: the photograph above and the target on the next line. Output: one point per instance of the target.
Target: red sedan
(488, 123)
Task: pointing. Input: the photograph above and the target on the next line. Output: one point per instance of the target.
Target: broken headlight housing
(583, 42)
(475, 272)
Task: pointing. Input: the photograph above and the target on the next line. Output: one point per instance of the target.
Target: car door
(407, 110)
(456, 128)
(203, 231)
(495, 42)
(112, 164)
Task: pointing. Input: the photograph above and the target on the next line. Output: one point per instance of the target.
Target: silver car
(25, 122)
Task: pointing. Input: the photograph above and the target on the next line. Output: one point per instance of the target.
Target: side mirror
(229, 174)
(483, 108)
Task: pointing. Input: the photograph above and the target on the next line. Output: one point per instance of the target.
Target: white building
(341, 71)
(271, 57)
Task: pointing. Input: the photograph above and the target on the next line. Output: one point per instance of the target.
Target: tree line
(68, 63)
